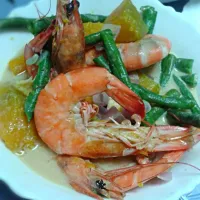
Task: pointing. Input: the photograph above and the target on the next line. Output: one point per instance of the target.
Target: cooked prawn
(69, 43)
(150, 50)
(58, 110)
(87, 178)
(35, 46)
(63, 121)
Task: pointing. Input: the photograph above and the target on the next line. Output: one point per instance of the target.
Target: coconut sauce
(43, 161)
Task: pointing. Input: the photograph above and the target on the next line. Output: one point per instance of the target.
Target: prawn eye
(70, 7)
(78, 4)
(100, 184)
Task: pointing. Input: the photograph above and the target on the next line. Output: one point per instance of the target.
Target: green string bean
(149, 15)
(39, 83)
(187, 94)
(102, 62)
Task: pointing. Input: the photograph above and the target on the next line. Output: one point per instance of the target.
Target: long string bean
(15, 23)
(149, 15)
(95, 38)
(154, 114)
(39, 83)
(118, 69)
(184, 65)
(169, 102)
(102, 62)
(114, 57)
(185, 117)
(173, 93)
(167, 65)
(187, 94)
(35, 26)
(190, 80)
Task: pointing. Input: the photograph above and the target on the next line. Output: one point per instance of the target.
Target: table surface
(190, 10)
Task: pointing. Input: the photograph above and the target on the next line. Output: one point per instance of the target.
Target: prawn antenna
(182, 163)
(167, 163)
(40, 14)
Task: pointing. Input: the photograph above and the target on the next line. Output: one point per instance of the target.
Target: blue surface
(7, 194)
(194, 195)
(6, 7)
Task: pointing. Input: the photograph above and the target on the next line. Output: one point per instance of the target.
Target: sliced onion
(22, 76)
(165, 176)
(32, 60)
(101, 99)
(147, 106)
(134, 77)
(114, 28)
(113, 112)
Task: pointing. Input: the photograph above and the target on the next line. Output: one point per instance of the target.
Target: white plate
(185, 42)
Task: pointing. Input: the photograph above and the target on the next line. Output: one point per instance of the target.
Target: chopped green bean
(102, 62)
(184, 65)
(35, 26)
(190, 80)
(118, 69)
(30, 103)
(39, 25)
(114, 57)
(154, 114)
(149, 15)
(93, 18)
(185, 117)
(43, 74)
(15, 23)
(173, 93)
(95, 37)
(187, 94)
(169, 102)
(39, 83)
(167, 65)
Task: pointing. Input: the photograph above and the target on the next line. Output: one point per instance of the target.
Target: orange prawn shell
(55, 120)
(54, 97)
(140, 54)
(69, 42)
